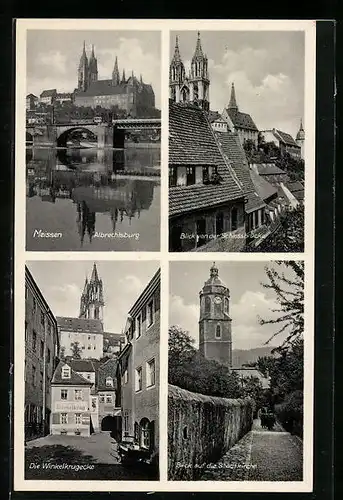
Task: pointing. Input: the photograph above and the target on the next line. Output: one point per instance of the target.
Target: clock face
(217, 300)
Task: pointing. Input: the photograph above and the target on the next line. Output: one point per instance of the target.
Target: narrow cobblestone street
(75, 457)
(261, 455)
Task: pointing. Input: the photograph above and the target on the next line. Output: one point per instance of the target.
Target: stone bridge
(108, 135)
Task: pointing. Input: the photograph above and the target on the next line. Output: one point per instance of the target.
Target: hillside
(242, 356)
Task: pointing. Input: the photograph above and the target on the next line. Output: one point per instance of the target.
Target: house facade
(206, 199)
(138, 370)
(41, 357)
(48, 97)
(282, 140)
(86, 334)
(71, 402)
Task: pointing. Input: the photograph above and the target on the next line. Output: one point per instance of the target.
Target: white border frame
(21, 256)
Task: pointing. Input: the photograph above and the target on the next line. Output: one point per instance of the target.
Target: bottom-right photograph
(236, 371)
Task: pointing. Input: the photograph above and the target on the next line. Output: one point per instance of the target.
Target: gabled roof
(75, 378)
(285, 138)
(232, 148)
(241, 120)
(84, 365)
(31, 95)
(269, 169)
(48, 93)
(263, 187)
(79, 324)
(192, 142)
(297, 189)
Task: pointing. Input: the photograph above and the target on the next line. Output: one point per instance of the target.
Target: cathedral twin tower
(193, 88)
(88, 71)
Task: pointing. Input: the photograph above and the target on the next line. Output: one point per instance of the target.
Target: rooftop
(263, 187)
(48, 93)
(75, 378)
(192, 142)
(106, 87)
(241, 120)
(79, 324)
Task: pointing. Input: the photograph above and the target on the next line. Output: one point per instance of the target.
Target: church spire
(115, 73)
(198, 54)
(176, 56)
(123, 80)
(95, 276)
(233, 102)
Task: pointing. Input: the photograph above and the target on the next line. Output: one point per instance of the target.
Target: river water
(92, 199)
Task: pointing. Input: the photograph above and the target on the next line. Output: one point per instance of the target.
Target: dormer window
(109, 382)
(66, 372)
(190, 176)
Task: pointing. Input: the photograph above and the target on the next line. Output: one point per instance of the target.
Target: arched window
(207, 305)
(145, 437)
(218, 331)
(226, 305)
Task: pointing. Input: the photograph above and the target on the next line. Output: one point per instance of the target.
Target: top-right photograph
(236, 141)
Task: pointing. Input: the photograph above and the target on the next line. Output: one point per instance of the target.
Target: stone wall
(201, 429)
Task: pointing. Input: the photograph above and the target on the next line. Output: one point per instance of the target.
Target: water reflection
(93, 199)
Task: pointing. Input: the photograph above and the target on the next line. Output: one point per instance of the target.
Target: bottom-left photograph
(92, 343)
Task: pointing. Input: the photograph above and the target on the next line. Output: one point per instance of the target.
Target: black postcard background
(324, 240)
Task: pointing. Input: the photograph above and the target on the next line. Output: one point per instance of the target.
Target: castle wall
(201, 429)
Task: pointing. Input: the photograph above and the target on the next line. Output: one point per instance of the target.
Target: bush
(290, 413)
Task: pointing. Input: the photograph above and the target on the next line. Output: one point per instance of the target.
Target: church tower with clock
(215, 340)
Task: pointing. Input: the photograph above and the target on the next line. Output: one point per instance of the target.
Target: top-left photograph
(93, 140)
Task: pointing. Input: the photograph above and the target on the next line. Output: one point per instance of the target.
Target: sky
(248, 299)
(53, 57)
(267, 69)
(61, 283)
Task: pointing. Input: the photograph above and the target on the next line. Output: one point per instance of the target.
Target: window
(64, 394)
(34, 304)
(145, 433)
(42, 319)
(108, 398)
(109, 382)
(150, 313)
(89, 347)
(207, 305)
(172, 176)
(138, 381)
(33, 375)
(126, 423)
(78, 394)
(138, 326)
(34, 341)
(234, 219)
(66, 372)
(101, 398)
(126, 377)
(48, 356)
(226, 305)
(64, 418)
(150, 373)
(205, 174)
(78, 418)
(41, 349)
(190, 176)
(218, 332)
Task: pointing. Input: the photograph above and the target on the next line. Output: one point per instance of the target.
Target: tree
(188, 369)
(76, 350)
(289, 291)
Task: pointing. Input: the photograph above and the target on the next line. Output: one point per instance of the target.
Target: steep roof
(79, 324)
(193, 142)
(263, 187)
(232, 148)
(31, 95)
(297, 189)
(214, 116)
(48, 93)
(84, 365)
(269, 169)
(75, 378)
(285, 138)
(241, 120)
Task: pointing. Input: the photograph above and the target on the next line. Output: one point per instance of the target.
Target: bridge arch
(63, 134)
